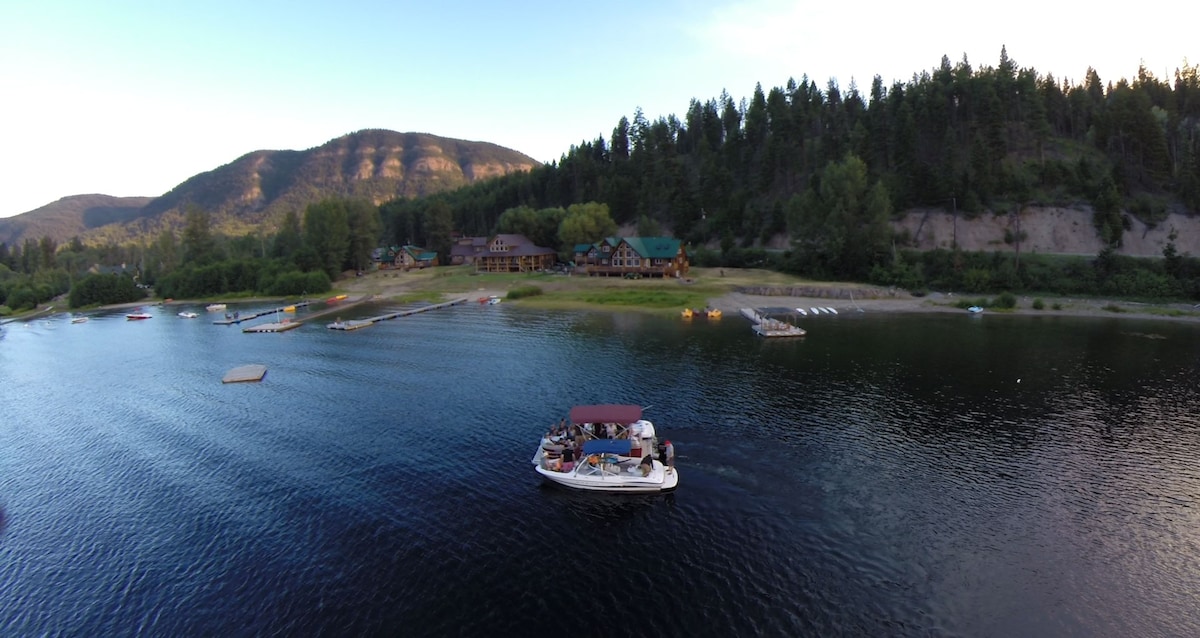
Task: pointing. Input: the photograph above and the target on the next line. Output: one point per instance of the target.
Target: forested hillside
(825, 166)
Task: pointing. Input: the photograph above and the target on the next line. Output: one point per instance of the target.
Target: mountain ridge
(256, 189)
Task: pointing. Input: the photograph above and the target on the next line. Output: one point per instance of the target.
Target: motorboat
(134, 316)
(187, 314)
(215, 307)
(606, 448)
(975, 309)
(79, 319)
(493, 300)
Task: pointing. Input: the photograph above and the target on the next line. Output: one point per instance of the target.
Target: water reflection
(885, 475)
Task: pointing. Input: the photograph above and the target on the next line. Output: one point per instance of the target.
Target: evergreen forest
(803, 178)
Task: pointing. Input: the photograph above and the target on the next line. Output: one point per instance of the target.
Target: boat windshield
(607, 446)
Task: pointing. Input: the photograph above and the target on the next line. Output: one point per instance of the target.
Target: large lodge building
(611, 256)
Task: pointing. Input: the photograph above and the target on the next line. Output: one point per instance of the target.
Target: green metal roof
(654, 247)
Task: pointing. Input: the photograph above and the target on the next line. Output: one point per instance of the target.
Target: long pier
(239, 317)
(355, 324)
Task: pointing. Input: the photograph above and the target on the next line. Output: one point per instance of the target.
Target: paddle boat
(713, 313)
(687, 313)
(606, 448)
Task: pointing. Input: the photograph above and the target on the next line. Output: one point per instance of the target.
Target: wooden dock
(247, 373)
(280, 326)
(239, 317)
(363, 323)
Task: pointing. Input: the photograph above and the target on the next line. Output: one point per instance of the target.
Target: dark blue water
(887, 475)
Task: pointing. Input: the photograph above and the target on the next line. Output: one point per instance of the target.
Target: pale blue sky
(133, 97)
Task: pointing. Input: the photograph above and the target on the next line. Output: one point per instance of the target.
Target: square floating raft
(241, 374)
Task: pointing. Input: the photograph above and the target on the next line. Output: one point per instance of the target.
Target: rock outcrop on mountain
(256, 190)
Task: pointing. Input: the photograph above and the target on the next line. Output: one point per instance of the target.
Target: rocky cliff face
(376, 165)
(1045, 230)
(257, 189)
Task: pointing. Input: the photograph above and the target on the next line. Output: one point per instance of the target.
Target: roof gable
(654, 247)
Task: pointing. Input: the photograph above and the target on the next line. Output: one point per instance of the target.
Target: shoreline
(843, 297)
(943, 303)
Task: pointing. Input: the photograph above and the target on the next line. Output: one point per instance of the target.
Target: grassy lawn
(561, 291)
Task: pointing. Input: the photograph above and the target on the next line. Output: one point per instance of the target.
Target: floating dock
(274, 326)
(239, 317)
(243, 374)
(363, 323)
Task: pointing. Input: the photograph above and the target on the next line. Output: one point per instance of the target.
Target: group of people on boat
(566, 443)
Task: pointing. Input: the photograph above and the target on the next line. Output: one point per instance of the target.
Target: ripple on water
(868, 480)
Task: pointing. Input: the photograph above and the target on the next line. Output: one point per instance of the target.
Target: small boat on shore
(135, 316)
(607, 448)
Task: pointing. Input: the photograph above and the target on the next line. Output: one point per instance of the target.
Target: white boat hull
(612, 463)
(660, 479)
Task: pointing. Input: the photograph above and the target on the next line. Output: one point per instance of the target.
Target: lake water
(884, 476)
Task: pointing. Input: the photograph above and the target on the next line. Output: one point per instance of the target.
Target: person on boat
(568, 458)
(646, 465)
(669, 453)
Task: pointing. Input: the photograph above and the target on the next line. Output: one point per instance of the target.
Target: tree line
(826, 168)
(300, 258)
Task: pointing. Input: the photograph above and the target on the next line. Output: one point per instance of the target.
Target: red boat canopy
(622, 414)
